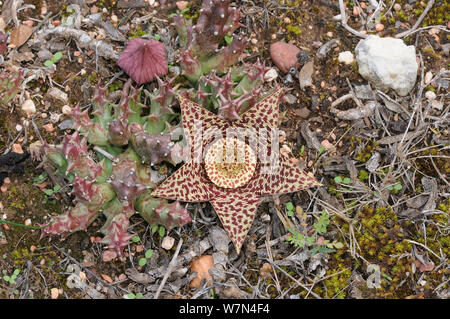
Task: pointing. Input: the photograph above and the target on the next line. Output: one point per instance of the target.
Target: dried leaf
(107, 278)
(20, 35)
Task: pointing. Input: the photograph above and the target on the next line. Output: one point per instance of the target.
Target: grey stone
(219, 239)
(57, 94)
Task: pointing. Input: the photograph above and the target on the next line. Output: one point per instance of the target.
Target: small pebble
(337, 17)
(27, 222)
(379, 27)
(397, 7)
(29, 107)
(168, 242)
(326, 144)
(54, 293)
(430, 95)
(428, 77)
(270, 75)
(317, 44)
(66, 109)
(356, 11)
(346, 57)
(19, 127)
(49, 127)
(114, 18)
(181, 5)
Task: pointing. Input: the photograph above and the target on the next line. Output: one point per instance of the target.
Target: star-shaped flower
(232, 172)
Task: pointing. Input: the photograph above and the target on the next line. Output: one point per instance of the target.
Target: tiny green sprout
(135, 239)
(290, 209)
(40, 179)
(346, 181)
(139, 295)
(184, 11)
(322, 149)
(149, 253)
(142, 261)
(302, 150)
(161, 231)
(386, 276)
(310, 240)
(321, 249)
(296, 239)
(228, 39)
(398, 187)
(131, 296)
(55, 58)
(338, 179)
(157, 37)
(322, 223)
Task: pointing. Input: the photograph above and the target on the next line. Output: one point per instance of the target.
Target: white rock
(29, 107)
(346, 57)
(66, 109)
(428, 77)
(430, 95)
(270, 75)
(388, 63)
(168, 242)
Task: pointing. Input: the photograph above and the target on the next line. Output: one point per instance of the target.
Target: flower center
(230, 163)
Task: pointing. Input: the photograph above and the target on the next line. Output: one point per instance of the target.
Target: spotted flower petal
(187, 184)
(236, 210)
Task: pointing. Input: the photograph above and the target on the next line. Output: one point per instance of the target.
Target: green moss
(366, 153)
(294, 29)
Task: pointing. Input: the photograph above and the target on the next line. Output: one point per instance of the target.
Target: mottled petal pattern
(187, 184)
(264, 114)
(287, 178)
(236, 210)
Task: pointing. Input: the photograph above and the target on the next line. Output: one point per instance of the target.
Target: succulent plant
(144, 60)
(9, 85)
(108, 163)
(235, 171)
(200, 52)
